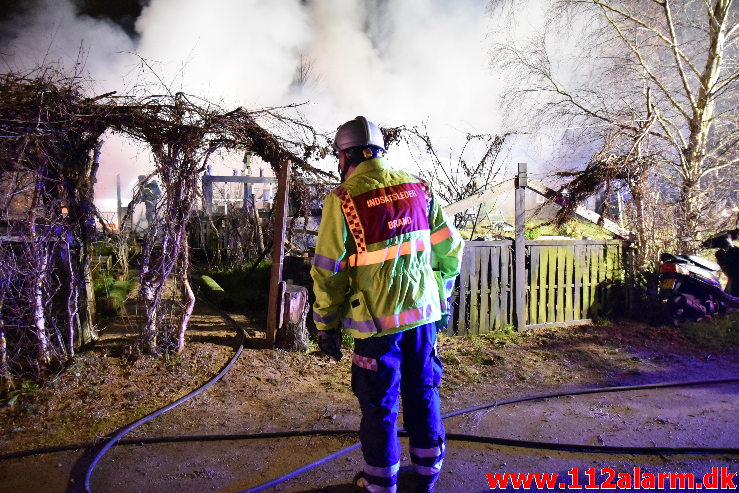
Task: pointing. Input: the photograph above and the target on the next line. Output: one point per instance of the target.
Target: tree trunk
(637, 193)
(39, 317)
(188, 293)
(87, 300)
(148, 291)
(700, 125)
(257, 224)
(40, 257)
(292, 334)
(4, 368)
(72, 303)
(689, 210)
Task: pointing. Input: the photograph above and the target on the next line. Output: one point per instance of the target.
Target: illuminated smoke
(395, 61)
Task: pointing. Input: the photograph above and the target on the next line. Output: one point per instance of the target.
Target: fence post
(208, 193)
(276, 285)
(519, 250)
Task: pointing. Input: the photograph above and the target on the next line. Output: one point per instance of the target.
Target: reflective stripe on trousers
(427, 461)
(406, 365)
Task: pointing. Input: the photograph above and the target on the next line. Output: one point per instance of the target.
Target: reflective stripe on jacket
(386, 256)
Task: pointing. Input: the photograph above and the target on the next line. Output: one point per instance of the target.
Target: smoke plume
(395, 61)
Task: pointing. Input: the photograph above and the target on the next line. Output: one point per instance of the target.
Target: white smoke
(243, 51)
(405, 61)
(394, 61)
(53, 34)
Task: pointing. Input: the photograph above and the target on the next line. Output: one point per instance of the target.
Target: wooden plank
(609, 277)
(533, 284)
(569, 286)
(484, 290)
(551, 283)
(505, 286)
(481, 198)
(577, 290)
(600, 292)
(543, 269)
(464, 281)
(567, 241)
(496, 312)
(593, 286)
(560, 303)
(278, 252)
(618, 256)
(587, 279)
(586, 283)
(474, 290)
(494, 243)
(583, 212)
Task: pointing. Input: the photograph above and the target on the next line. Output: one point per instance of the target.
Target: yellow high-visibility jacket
(386, 256)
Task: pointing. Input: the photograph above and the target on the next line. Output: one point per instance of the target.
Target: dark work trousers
(384, 368)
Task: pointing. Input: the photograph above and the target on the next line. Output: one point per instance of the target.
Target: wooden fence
(567, 281)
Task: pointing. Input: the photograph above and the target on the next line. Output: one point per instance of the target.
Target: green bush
(102, 286)
(105, 249)
(212, 290)
(111, 296)
(245, 289)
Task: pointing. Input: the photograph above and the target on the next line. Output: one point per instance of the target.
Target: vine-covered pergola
(50, 132)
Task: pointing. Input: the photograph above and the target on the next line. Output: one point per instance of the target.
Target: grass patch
(718, 332)
(244, 290)
(111, 296)
(504, 336)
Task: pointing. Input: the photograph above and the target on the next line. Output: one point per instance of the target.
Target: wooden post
(257, 223)
(119, 208)
(519, 250)
(278, 252)
(208, 194)
(246, 195)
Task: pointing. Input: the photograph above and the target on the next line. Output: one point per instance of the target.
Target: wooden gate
(568, 281)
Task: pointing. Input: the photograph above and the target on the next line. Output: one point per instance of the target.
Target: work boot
(424, 488)
(361, 482)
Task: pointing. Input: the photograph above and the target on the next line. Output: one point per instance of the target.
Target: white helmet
(358, 133)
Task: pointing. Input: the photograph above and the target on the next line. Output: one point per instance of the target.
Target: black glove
(329, 341)
(443, 321)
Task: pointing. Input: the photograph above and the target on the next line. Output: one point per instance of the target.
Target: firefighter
(384, 269)
(150, 193)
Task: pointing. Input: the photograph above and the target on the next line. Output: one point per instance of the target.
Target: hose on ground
(128, 428)
(529, 444)
(505, 442)
(577, 448)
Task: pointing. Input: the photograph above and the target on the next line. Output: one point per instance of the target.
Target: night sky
(121, 12)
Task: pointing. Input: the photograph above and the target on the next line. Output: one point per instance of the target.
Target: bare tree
(677, 59)
(472, 171)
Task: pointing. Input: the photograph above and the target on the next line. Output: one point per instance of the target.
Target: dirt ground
(271, 390)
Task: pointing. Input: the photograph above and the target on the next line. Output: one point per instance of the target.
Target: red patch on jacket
(391, 211)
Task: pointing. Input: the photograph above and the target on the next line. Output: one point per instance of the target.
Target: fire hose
(117, 438)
